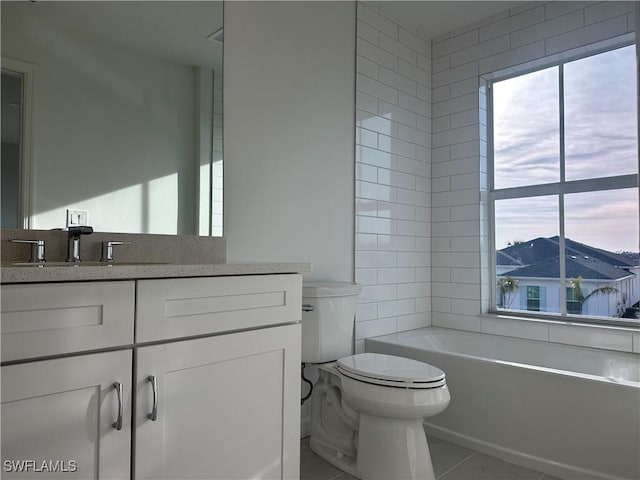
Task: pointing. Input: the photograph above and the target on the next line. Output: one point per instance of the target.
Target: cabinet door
(58, 415)
(227, 407)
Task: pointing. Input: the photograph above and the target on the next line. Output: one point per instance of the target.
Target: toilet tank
(328, 312)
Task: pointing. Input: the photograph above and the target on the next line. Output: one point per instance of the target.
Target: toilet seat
(391, 371)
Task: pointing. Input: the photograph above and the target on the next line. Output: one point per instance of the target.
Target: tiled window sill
(608, 337)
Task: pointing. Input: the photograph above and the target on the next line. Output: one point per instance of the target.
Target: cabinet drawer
(52, 319)
(196, 306)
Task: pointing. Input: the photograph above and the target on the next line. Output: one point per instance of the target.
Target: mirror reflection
(113, 109)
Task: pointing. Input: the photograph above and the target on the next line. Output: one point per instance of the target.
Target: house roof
(528, 253)
(575, 267)
(540, 258)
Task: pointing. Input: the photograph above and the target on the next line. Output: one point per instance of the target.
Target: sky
(600, 141)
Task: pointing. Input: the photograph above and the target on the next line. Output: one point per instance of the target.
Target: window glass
(522, 220)
(525, 114)
(607, 219)
(583, 198)
(602, 230)
(527, 250)
(600, 115)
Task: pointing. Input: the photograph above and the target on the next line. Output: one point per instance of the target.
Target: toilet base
(334, 457)
(393, 449)
(388, 449)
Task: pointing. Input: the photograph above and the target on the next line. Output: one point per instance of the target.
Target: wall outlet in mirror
(77, 218)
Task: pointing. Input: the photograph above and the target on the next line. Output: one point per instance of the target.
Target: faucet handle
(37, 250)
(107, 250)
(78, 230)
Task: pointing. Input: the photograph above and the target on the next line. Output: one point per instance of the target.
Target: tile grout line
(456, 466)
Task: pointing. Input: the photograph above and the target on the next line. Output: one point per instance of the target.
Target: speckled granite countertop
(58, 272)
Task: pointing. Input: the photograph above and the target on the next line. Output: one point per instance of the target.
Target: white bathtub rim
(585, 376)
(556, 371)
(553, 371)
(544, 465)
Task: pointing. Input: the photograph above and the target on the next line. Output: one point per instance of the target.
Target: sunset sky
(600, 138)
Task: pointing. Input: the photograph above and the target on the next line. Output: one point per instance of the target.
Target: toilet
(367, 410)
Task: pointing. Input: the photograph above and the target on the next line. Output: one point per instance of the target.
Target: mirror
(117, 112)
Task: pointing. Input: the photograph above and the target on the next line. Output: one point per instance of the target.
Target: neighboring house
(535, 265)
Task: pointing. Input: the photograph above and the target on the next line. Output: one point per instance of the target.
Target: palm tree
(580, 298)
(507, 286)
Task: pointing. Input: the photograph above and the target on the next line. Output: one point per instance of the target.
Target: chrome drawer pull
(118, 423)
(153, 416)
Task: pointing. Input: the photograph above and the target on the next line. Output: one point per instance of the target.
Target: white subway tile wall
(591, 337)
(218, 155)
(393, 184)
(459, 229)
(421, 221)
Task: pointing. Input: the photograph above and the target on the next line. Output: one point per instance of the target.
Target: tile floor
(450, 462)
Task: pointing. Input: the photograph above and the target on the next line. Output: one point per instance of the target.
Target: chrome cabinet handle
(118, 423)
(153, 416)
(307, 308)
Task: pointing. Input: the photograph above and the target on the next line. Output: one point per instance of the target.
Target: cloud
(600, 141)
(600, 115)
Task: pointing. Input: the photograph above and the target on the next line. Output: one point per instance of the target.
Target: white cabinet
(223, 356)
(227, 407)
(58, 417)
(183, 307)
(56, 318)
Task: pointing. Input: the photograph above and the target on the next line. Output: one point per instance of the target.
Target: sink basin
(85, 264)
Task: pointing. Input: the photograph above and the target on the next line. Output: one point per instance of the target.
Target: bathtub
(567, 411)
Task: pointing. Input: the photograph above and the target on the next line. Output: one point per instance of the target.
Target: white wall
(460, 273)
(289, 136)
(10, 180)
(393, 154)
(110, 127)
(289, 165)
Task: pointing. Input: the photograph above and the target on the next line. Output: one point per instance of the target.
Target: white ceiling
(432, 18)
(175, 30)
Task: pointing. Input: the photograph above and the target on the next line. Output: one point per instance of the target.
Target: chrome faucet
(73, 245)
(37, 250)
(107, 250)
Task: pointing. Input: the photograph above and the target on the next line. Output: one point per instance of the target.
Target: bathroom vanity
(151, 371)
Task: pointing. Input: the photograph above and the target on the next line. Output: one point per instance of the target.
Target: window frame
(558, 189)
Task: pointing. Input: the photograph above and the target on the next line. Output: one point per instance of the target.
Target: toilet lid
(390, 370)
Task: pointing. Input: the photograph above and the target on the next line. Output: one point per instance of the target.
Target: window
(533, 298)
(563, 188)
(574, 305)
